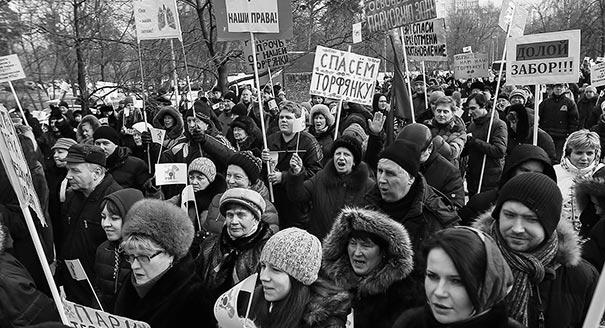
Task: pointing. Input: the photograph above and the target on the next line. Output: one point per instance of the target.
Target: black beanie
(405, 154)
(539, 193)
(106, 132)
(251, 164)
(350, 143)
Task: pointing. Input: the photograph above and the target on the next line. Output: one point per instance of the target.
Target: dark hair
(479, 99)
(467, 252)
(112, 208)
(287, 312)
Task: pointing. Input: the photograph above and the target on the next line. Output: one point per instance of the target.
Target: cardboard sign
(284, 11)
(82, 316)
(426, 41)
(225, 308)
(515, 15)
(472, 65)
(10, 68)
(269, 54)
(156, 19)
(16, 167)
(170, 174)
(384, 15)
(339, 74)
(75, 269)
(597, 75)
(544, 58)
(157, 135)
(252, 16)
(357, 33)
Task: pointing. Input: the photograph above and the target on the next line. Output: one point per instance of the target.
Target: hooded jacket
(175, 133)
(558, 116)
(387, 290)
(567, 291)
(110, 267)
(128, 171)
(525, 133)
(94, 124)
(585, 188)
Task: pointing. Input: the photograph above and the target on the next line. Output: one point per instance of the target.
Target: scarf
(143, 289)
(581, 173)
(529, 269)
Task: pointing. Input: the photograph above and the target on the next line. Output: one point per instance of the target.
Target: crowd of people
(457, 221)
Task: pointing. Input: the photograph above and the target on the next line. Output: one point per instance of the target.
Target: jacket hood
(590, 187)
(397, 257)
(119, 156)
(327, 302)
(124, 199)
(158, 122)
(90, 119)
(569, 252)
(523, 119)
(521, 154)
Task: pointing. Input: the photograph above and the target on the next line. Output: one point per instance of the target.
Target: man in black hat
(89, 184)
(559, 117)
(418, 98)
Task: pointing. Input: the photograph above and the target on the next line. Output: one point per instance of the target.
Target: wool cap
(590, 88)
(63, 143)
(240, 109)
(405, 154)
(164, 223)
(352, 144)
(518, 93)
(416, 133)
(85, 153)
(323, 110)
(106, 132)
(536, 191)
(295, 252)
(251, 164)
(419, 78)
(248, 198)
(205, 166)
(356, 131)
(230, 95)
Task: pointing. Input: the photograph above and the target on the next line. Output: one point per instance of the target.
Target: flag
(350, 320)
(157, 135)
(225, 308)
(170, 173)
(187, 195)
(400, 98)
(357, 33)
(467, 49)
(299, 124)
(75, 269)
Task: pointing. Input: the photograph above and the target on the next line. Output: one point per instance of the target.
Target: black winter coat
(525, 134)
(128, 171)
(325, 140)
(178, 299)
(111, 271)
(585, 111)
(442, 175)
(599, 128)
(558, 116)
(422, 317)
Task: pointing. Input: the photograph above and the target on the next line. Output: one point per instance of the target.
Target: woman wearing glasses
(163, 289)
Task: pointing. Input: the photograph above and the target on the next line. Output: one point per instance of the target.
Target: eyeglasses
(143, 259)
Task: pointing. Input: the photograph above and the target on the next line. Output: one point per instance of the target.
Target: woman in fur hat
(322, 128)
(244, 134)
(163, 289)
(291, 294)
(466, 281)
(370, 255)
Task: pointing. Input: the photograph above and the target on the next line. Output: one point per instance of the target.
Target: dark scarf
(404, 205)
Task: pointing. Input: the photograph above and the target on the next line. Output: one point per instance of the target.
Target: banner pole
(260, 107)
(144, 109)
(491, 121)
(536, 113)
(597, 305)
(407, 71)
(175, 75)
(271, 81)
(339, 110)
(426, 96)
(190, 94)
(18, 103)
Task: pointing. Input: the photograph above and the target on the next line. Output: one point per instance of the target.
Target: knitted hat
(230, 95)
(85, 153)
(416, 133)
(518, 93)
(295, 252)
(251, 164)
(63, 143)
(205, 166)
(240, 109)
(356, 131)
(405, 154)
(106, 132)
(164, 223)
(536, 191)
(323, 110)
(352, 144)
(248, 198)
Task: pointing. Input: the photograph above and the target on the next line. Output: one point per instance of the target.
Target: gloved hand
(146, 137)
(198, 136)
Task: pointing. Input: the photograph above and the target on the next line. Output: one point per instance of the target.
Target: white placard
(82, 316)
(10, 68)
(597, 75)
(252, 16)
(471, 65)
(339, 74)
(426, 40)
(269, 54)
(515, 14)
(170, 174)
(156, 19)
(357, 33)
(467, 49)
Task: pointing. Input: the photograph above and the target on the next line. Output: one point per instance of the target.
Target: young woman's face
(112, 224)
(276, 283)
(582, 158)
(168, 121)
(86, 130)
(382, 103)
(445, 292)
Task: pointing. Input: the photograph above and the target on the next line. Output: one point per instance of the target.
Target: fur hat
(296, 252)
(251, 164)
(245, 123)
(356, 131)
(164, 223)
(205, 166)
(477, 85)
(323, 110)
(248, 198)
(352, 144)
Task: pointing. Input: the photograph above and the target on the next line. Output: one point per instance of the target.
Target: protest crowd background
(449, 188)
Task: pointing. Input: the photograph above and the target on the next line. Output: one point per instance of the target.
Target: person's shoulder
(410, 318)
(582, 275)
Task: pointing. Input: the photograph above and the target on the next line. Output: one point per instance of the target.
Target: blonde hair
(583, 139)
(139, 243)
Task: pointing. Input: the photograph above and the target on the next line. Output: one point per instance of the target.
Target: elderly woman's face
(148, 264)
(198, 181)
(236, 177)
(582, 158)
(240, 221)
(364, 255)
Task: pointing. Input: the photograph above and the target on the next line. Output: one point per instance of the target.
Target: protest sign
(425, 41)
(471, 65)
(252, 16)
(597, 75)
(344, 75)
(284, 11)
(75, 269)
(82, 316)
(170, 173)
(514, 14)
(157, 135)
(269, 54)
(16, 166)
(274, 155)
(226, 309)
(384, 15)
(467, 49)
(544, 58)
(600, 59)
(10, 68)
(357, 33)
(156, 19)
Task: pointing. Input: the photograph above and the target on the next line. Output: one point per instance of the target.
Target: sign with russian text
(10, 68)
(544, 58)
(471, 65)
(156, 19)
(252, 16)
(384, 15)
(284, 13)
(16, 166)
(82, 316)
(269, 54)
(597, 75)
(426, 40)
(344, 75)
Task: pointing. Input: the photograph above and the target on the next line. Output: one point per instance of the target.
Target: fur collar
(590, 187)
(327, 302)
(569, 253)
(398, 257)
